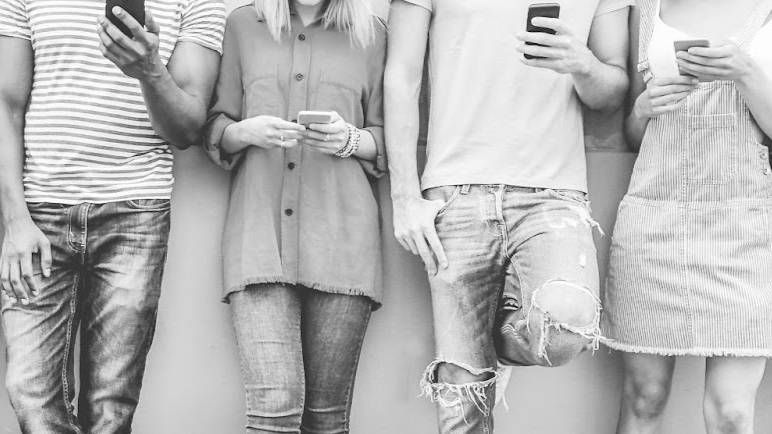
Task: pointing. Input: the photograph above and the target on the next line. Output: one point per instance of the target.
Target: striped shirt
(87, 134)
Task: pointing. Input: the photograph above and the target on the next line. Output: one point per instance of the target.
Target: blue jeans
(105, 280)
(521, 289)
(299, 351)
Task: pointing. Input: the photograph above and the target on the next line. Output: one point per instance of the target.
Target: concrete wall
(193, 385)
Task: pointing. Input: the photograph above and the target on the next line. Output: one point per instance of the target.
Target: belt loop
(465, 189)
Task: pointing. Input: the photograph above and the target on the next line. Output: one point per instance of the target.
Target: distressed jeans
(299, 351)
(105, 281)
(521, 289)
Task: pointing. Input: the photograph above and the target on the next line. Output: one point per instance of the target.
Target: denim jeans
(532, 248)
(299, 351)
(106, 281)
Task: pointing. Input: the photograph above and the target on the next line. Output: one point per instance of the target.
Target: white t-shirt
(493, 119)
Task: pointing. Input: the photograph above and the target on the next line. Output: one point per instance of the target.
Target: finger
(18, 285)
(117, 35)
(673, 88)
(28, 275)
(278, 143)
(426, 254)
(657, 111)
(551, 23)
(539, 38)
(133, 25)
(46, 260)
(328, 128)
(411, 244)
(281, 124)
(5, 279)
(704, 61)
(535, 50)
(150, 24)
(713, 52)
(403, 244)
(314, 135)
(699, 70)
(436, 245)
(669, 99)
(675, 79)
(108, 45)
(292, 134)
(320, 144)
(541, 63)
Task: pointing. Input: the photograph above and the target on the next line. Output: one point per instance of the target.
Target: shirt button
(288, 212)
(767, 171)
(302, 37)
(291, 166)
(299, 77)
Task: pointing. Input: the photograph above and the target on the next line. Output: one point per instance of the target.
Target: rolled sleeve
(203, 23)
(226, 102)
(606, 6)
(14, 21)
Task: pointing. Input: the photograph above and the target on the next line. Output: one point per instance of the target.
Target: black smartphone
(135, 8)
(549, 10)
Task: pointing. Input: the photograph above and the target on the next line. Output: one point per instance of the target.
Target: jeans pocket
(448, 194)
(711, 150)
(575, 196)
(149, 204)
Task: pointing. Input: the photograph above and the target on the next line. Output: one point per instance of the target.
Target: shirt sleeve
(13, 19)
(426, 4)
(374, 105)
(606, 6)
(226, 102)
(203, 23)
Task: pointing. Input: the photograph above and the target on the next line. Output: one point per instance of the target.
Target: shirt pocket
(711, 150)
(341, 92)
(262, 95)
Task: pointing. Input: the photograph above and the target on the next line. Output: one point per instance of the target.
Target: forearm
(635, 128)
(175, 115)
(601, 86)
(367, 150)
(756, 89)
(12, 203)
(401, 110)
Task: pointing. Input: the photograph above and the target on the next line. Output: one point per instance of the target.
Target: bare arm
(413, 216)
(22, 238)
(177, 95)
(599, 69)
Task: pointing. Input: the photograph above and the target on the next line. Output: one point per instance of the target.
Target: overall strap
(647, 10)
(754, 23)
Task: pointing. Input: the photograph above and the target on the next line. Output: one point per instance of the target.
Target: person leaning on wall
(87, 117)
(302, 255)
(691, 258)
(502, 202)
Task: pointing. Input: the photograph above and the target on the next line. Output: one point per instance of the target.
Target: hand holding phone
(685, 45)
(135, 8)
(547, 10)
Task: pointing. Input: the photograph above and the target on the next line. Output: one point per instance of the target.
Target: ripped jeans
(521, 289)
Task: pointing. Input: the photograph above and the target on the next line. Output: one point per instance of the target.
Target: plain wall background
(193, 384)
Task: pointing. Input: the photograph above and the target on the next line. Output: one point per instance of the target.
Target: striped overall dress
(691, 254)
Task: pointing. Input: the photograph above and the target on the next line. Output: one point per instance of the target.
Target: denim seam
(349, 392)
(66, 357)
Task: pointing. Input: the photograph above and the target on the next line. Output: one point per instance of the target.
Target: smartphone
(549, 10)
(686, 44)
(135, 8)
(314, 117)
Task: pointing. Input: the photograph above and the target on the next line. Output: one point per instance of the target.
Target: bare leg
(731, 384)
(647, 384)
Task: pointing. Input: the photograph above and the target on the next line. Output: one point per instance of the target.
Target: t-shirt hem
(15, 34)
(93, 200)
(211, 46)
(427, 183)
(608, 6)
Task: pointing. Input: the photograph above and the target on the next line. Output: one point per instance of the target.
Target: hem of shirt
(615, 6)
(16, 35)
(427, 183)
(94, 201)
(332, 289)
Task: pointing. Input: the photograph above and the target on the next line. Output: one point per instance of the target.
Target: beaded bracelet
(354, 136)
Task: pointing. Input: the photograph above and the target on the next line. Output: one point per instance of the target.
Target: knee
(567, 303)
(647, 401)
(728, 417)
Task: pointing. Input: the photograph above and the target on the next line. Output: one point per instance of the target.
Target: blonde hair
(354, 17)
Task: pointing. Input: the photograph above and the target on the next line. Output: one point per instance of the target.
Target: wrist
(156, 75)
(586, 64)
(752, 75)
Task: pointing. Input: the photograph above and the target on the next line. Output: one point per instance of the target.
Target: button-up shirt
(299, 216)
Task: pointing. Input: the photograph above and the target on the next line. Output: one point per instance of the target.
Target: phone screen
(135, 8)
